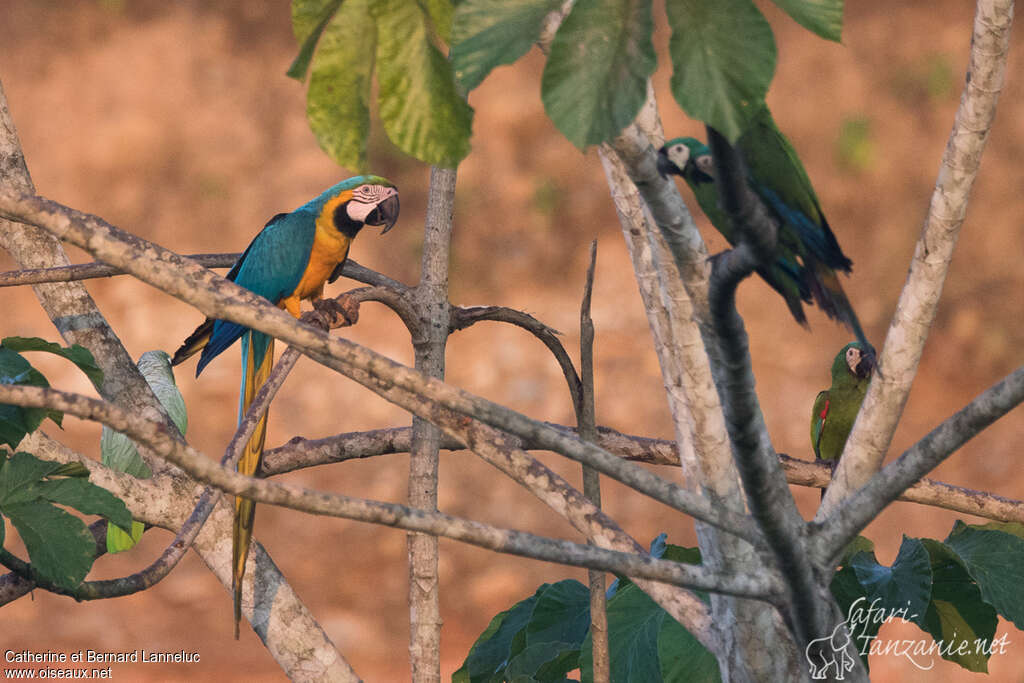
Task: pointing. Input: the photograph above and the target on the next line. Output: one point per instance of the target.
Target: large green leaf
(957, 616)
(723, 59)
(338, 101)
(906, 585)
(489, 33)
(79, 355)
(595, 79)
(440, 13)
(853, 600)
(16, 421)
(995, 560)
(683, 659)
(824, 17)
(309, 19)
(59, 545)
(19, 473)
(87, 498)
(634, 622)
(500, 641)
(422, 112)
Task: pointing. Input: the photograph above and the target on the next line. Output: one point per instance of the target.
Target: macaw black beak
(665, 166)
(385, 214)
(866, 365)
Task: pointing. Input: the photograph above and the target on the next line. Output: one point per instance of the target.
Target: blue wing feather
(271, 266)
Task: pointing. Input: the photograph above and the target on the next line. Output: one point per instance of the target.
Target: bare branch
(300, 453)
(465, 316)
(430, 337)
(586, 423)
(872, 433)
(154, 436)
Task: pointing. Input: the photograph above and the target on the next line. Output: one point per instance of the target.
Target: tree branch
(812, 611)
(883, 406)
(430, 338)
(155, 436)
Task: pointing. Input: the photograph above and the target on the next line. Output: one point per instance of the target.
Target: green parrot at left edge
(836, 408)
(808, 255)
(290, 259)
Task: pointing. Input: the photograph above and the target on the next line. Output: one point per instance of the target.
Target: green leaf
(79, 355)
(852, 599)
(860, 544)
(87, 498)
(561, 614)
(338, 101)
(20, 473)
(497, 644)
(422, 112)
(16, 421)
(119, 541)
(309, 18)
(906, 585)
(14, 369)
(440, 13)
(634, 622)
(489, 33)
(595, 79)
(59, 545)
(957, 615)
(824, 17)
(723, 59)
(683, 659)
(995, 560)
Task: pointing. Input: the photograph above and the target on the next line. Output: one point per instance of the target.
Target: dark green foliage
(59, 545)
(345, 43)
(952, 590)
(15, 421)
(595, 80)
(489, 33)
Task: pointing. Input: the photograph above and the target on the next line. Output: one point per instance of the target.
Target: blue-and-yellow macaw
(807, 255)
(289, 260)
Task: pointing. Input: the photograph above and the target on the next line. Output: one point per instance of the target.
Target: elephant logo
(831, 651)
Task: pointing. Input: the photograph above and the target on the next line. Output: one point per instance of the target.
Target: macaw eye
(853, 358)
(705, 164)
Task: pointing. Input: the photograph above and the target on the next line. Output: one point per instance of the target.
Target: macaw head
(854, 360)
(686, 157)
(362, 200)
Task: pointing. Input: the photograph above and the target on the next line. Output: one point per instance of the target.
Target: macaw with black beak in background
(289, 260)
(808, 256)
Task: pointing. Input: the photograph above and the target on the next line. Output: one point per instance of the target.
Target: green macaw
(808, 254)
(836, 408)
(289, 260)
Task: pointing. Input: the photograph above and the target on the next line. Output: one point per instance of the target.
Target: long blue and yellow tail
(257, 360)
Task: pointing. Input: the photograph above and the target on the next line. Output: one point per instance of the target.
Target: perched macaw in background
(289, 260)
(808, 254)
(836, 408)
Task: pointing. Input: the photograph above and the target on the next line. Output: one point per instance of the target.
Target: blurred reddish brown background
(175, 121)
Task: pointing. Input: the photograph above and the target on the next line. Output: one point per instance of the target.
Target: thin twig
(586, 422)
(465, 316)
